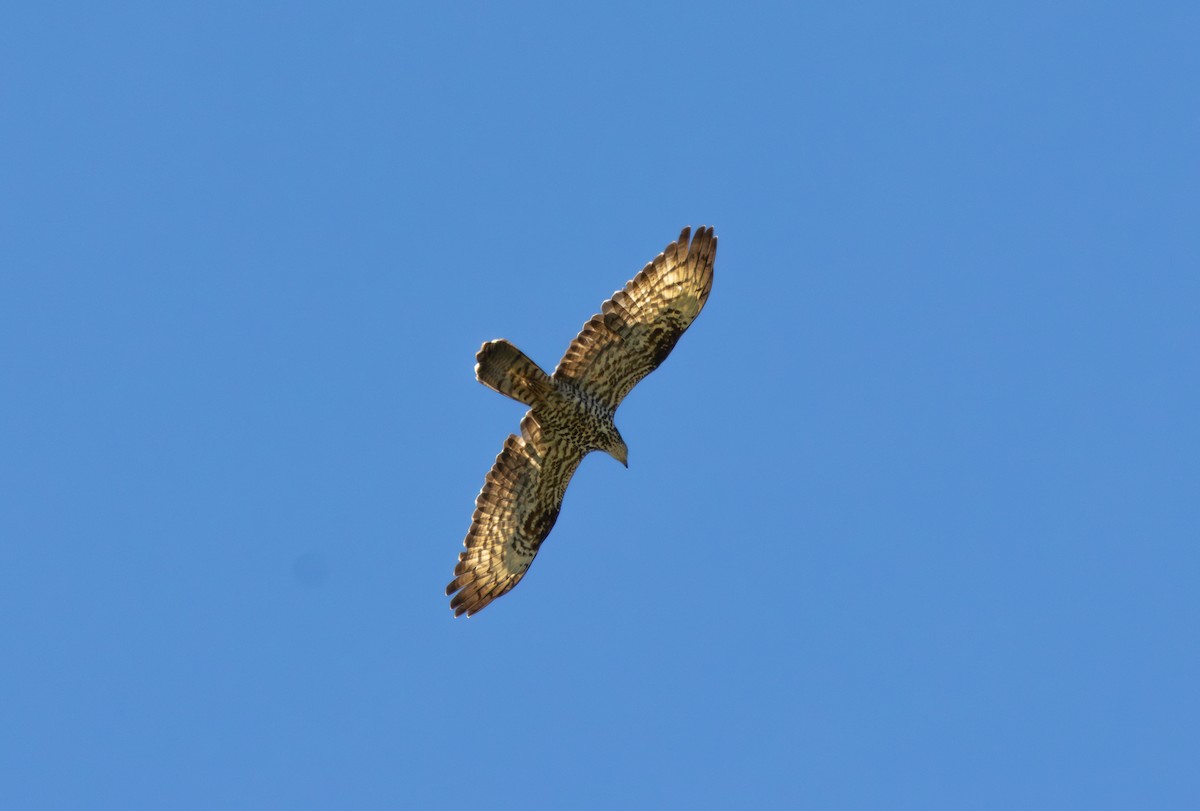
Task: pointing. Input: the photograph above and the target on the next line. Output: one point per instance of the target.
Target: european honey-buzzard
(571, 413)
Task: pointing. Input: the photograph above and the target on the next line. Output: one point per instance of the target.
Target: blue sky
(912, 511)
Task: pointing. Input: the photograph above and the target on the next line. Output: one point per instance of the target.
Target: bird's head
(614, 446)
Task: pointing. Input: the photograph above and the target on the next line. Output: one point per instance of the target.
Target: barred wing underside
(514, 512)
(637, 328)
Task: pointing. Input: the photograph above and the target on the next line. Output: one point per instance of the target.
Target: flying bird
(571, 413)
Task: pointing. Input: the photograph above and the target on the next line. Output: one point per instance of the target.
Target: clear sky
(912, 512)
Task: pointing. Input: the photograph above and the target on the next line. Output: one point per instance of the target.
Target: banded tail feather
(501, 366)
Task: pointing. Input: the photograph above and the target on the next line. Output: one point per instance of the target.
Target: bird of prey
(571, 413)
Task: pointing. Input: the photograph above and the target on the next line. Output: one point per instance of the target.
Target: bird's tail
(503, 367)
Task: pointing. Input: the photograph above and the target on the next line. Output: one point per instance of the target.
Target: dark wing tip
(459, 604)
(688, 244)
(468, 601)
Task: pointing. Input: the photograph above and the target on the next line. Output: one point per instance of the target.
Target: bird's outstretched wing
(637, 328)
(514, 512)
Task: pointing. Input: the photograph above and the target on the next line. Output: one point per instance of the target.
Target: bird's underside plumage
(571, 413)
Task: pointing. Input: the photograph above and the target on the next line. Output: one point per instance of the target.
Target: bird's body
(572, 413)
